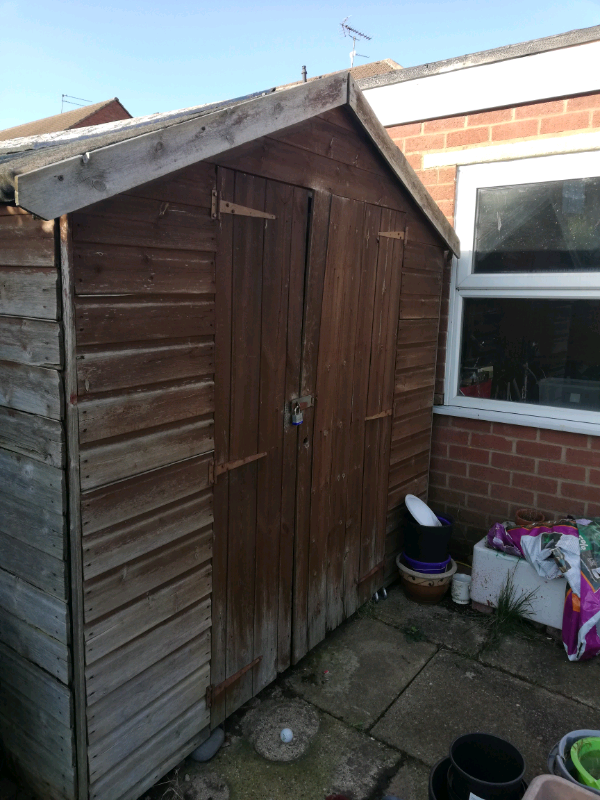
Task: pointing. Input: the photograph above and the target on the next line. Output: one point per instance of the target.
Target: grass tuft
(509, 617)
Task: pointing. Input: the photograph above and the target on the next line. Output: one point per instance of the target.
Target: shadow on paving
(387, 693)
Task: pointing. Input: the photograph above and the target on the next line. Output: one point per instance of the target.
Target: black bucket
(427, 542)
(438, 786)
(486, 766)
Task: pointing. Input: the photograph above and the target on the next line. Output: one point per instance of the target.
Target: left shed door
(260, 296)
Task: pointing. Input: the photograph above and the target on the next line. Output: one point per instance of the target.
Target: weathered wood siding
(418, 329)
(144, 318)
(36, 706)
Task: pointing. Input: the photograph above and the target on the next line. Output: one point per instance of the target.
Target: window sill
(528, 421)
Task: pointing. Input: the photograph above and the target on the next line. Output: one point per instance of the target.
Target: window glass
(538, 227)
(536, 351)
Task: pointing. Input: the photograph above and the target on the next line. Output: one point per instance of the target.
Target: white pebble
(286, 735)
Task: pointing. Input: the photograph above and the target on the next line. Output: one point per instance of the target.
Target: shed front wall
(36, 702)
(145, 322)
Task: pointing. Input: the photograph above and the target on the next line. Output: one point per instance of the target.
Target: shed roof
(529, 48)
(57, 173)
(76, 117)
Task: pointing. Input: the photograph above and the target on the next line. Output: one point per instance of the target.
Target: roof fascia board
(502, 84)
(71, 184)
(400, 166)
(558, 42)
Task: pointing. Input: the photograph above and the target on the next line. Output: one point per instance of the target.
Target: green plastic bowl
(585, 755)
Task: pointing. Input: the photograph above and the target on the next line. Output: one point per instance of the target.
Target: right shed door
(340, 549)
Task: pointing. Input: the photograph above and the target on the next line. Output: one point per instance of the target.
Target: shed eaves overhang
(74, 172)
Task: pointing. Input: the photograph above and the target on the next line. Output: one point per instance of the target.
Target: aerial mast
(354, 35)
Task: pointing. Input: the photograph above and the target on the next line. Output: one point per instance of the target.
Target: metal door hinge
(381, 415)
(372, 573)
(392, 234)
(214, 470)
(220, 206)
(214, 691)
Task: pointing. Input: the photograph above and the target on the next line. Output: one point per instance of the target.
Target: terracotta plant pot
(422, 587)
(528, 517)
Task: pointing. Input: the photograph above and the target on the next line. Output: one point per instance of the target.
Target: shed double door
(306, 305)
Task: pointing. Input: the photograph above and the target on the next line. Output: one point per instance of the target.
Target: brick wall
(111, 112)
(482, 472)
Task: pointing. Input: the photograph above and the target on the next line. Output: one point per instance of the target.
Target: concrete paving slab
(411, 782)
(462, 630)
(340, 760)
(359, 670)
(455, 695)
(544, 662)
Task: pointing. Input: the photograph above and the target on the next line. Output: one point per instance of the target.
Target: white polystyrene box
(490, 570)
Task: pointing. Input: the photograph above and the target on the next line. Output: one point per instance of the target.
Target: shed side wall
(35, 670)
(144, 310)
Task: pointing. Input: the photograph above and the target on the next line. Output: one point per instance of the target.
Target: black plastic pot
(438, 786)
(427, 542)
(487, 766)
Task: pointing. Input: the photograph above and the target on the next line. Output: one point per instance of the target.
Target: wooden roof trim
(400, 166)
(76, 182)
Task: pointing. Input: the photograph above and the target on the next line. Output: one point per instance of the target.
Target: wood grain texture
(28, 292)
(32, 481)
(36, 646)
(37, 526)
(26, 242)
(29, 604)
(33, 342)
(108, 269)
(110, 370)
(35, 390)
(32, 435)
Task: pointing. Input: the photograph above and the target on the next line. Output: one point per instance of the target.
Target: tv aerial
(354, 35)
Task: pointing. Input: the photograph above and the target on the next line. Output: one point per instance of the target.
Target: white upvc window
(524, 336)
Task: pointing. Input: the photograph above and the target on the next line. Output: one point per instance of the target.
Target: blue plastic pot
(427, 567)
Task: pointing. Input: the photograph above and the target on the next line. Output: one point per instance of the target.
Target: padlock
(297, 415)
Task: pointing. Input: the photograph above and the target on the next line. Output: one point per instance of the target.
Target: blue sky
(159, 56)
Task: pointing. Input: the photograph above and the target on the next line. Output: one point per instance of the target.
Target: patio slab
(411, 782)
(462, 630)
(339, 760)
(359, 670)
(454, 695)
(543, 662)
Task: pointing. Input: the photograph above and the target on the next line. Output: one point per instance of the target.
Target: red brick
(579, 491)
(512, 494)
(447, 209)
(587, 458)
(595, 442)
(549, 452)
(490, 474)
(566, 122)
(491, 442)
(452, 436)
(515, 130)
(490, 117)
(450, 467)
(469, 454)
(509, 461)
(540, 109)
(583, 102)
(468, 136)
(515, 431)
(416, 161)
(595, 119)
(434, 141)
(445, 192)
(489, 506)
(439, 479)
(439, 449)
(594, 478)
(592, 510)
(466, 424)
(447, 175)
(439, 495)
(470, 485)
(536, 483)
(402, 131)
(553, 470)
(564, 438)
(468, 517)
(556, 506)
(429, 177)
(444, 124)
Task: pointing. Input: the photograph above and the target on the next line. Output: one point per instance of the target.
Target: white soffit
(569, 71)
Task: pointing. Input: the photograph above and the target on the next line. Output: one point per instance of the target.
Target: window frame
(543, 285)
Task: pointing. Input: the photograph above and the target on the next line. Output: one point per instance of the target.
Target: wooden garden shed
(175, 292)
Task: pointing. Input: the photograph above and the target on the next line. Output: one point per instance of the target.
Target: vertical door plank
(223, 311)
(291, 433)
(243, 436)
(275, 292)
(317, 256)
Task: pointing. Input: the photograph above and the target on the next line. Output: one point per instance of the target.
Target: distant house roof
(363, 71)
(95, 114)
(54, 174)
(532, 47)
